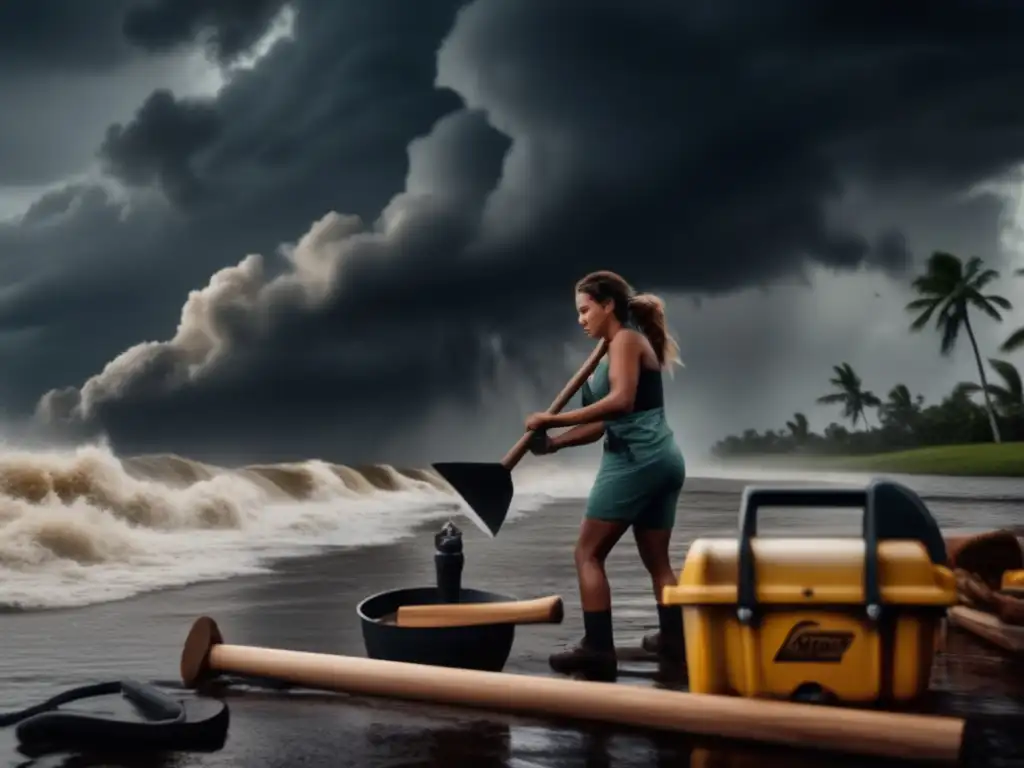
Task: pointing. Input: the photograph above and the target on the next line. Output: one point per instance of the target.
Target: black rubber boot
(594, 656)
(585, 661)
(668, 642)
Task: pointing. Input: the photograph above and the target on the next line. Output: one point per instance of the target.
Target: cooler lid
(812, 571)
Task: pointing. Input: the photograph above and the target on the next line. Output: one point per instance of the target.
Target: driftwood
(979, 563)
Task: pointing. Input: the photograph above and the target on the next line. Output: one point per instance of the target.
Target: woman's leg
(653, 533)
(595, 543)
(595, 655)
(652, 544)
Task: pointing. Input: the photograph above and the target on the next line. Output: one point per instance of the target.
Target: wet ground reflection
(309, 604)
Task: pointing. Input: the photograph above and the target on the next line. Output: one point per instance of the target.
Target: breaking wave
(85, 526)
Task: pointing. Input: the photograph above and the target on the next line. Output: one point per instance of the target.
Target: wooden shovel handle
(807, 726)
(542, 610)
(516, 453)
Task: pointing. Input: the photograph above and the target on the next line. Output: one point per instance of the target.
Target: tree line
(949, 292)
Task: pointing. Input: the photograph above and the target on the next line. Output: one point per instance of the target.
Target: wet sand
(309, 604)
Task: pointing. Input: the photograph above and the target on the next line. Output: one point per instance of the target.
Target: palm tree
(900, 399)
(901, 409)
(951, 287)
(1009, 396)
(851, 394)
(799, 427)
(1016, 339)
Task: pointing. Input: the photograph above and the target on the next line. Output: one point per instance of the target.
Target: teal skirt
(643, 492)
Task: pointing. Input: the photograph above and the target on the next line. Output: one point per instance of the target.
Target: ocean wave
(85, 526)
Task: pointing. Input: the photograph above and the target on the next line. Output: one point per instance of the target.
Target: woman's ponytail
(648, 312)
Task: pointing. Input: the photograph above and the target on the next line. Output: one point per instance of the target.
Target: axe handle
(541, 610)
(516, 453)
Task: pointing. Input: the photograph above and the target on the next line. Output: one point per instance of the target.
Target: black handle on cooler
(850, 498)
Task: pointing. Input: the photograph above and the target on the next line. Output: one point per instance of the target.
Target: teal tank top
(638, 437)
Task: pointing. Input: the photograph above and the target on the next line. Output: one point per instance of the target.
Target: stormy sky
(258, 229)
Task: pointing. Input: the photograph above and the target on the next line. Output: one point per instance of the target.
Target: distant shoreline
(974, 460)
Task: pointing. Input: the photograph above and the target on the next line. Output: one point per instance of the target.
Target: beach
(306, 599)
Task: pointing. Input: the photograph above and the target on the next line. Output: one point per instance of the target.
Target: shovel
(487, 486)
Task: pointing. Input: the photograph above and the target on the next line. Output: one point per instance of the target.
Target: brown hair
(645, 309)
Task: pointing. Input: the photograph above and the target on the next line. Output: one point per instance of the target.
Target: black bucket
(483, 647)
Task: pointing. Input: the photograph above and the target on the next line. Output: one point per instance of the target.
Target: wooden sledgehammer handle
(542, 610)
(878, 734)
(517, 451)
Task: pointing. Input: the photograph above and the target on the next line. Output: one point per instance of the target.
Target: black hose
(169, 724)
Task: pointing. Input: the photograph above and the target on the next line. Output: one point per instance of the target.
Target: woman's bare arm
(584, 434)
(624, 354)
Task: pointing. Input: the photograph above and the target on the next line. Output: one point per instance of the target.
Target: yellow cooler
(1012, 583)
(835, 619)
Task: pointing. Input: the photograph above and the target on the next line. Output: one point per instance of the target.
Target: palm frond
(979, 303)
(835, 397)
(922, 320)
(871, 400)
(999, 301)
(979, 281)
(900, 395)
(1014, 387)
(1001, 395)
(946, 266)
(950, 333)
(1014, 342)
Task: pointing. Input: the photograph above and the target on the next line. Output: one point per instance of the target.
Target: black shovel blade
(485, 487)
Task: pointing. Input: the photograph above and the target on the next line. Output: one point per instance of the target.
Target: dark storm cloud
(229, 27)
(694, 147)
(892, 252)
(158, 146)
(55, 35)
(711, 139)
(67, 69)
(318, 126)
(71, 277)
(53, 205)
(51, 54)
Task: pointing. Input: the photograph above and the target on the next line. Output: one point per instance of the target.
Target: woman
(642, 469)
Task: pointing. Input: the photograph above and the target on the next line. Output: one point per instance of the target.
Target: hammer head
(485, 487)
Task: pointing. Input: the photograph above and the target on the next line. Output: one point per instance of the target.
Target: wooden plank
(989, 627)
